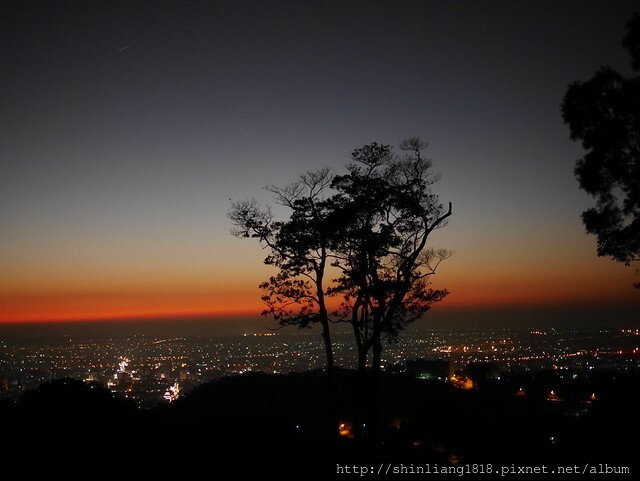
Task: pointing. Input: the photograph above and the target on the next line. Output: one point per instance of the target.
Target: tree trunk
(361, 414)
(377, 356)
(362, 359)
(375, 422)
(324, 322)
(328, 347)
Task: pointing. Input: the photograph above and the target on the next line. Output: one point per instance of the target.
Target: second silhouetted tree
(604, 114)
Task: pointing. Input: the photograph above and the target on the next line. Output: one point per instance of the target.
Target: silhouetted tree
(298, 247)
(604, 114)
(386, 212)
(371, 225)
(71, 402)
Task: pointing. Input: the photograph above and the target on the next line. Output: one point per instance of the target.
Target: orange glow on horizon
(62, 308)
(77, 316)
(480, 286)
(44, 308)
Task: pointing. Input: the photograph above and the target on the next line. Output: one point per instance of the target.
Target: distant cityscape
(151, 369)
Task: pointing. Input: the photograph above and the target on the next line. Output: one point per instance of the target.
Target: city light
(173, 393)
(345, 429)
(146, 367)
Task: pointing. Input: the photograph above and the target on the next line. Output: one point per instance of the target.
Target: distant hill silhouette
(273, 422)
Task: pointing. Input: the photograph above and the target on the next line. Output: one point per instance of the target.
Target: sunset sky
(126, 128)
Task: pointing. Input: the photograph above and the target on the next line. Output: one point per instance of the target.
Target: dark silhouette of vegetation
(72, 397)
(385, 214)
(299, 247)
(280, 425)
(371, 225)
(604, 114)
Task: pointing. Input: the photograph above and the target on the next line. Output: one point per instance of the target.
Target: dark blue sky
(126, 127)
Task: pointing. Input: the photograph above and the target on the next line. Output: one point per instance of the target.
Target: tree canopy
(298, 248)
(368, 228)
(386, 212)
(604, 114)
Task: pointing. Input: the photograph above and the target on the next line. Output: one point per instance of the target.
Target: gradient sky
(127, 127)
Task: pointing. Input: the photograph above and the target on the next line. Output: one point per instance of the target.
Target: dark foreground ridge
(257, 424)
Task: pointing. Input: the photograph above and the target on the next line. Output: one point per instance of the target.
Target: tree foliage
(604, 114)
(386, 211)
(369, 227)
(298, 247)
